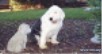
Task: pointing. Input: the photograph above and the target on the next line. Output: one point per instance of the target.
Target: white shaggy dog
(51, 23)
(18, 42)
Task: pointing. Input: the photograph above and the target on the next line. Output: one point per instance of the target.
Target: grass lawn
(73, 13)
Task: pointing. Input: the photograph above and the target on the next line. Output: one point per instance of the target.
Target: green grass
(71, 13)
(78, 13)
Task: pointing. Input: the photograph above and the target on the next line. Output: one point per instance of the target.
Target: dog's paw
(55, 42)
(43, 46)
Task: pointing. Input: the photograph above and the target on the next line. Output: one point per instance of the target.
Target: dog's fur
(18, 42)
(47, 27)
(51, 23)
(35, 32)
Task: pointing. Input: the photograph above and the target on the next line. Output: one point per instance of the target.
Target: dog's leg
(37, 38)
(24, 45)
(48, 38)
(42, 43)
(54, 39)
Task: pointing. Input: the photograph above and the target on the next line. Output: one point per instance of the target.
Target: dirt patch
(74, 37)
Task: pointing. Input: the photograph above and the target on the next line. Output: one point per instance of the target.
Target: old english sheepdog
(52, 22)
(18, 42)
(47, 27)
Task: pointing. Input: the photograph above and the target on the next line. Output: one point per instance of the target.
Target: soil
(73, 37)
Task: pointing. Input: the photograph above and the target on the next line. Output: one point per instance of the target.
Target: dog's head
(24, 28)
(54, 14)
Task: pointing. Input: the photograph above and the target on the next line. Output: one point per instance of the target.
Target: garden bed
(74, 37)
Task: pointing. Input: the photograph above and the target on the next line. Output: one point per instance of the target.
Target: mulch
(73, 37)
